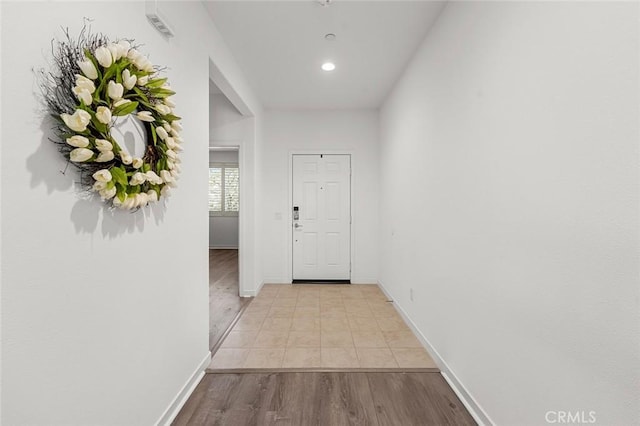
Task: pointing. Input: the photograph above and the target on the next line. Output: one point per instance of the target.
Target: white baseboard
(223, 248)
(276, 280)
(363, 280)
(476, 411)
(176, 405)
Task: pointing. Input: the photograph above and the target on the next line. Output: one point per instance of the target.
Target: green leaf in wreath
(121, 193)
(120, 176)
(156, 82)
(141, 94)
(125, 109)
(154, 135)
(171, 117)
(118, 72)
(100, 127)
(161, 93)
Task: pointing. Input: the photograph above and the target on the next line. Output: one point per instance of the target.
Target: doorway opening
(228, 128)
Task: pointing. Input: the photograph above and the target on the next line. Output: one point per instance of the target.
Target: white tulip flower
(80, 155)
(103, 114)
(143, 63)
(133, 54)
(129, 202)
(166, 176)
(142, 81)
(103, 56)
(176, 126)
(142, 199)
(137, 163)
(171, 154)
(78, 121)
(162, 133)
(115, 51)
(121, 102)
(163, 109)
(107, 194)
(170, 164)
(88, 69)
(99, 186)
(165, 191)
(83, 83)
(153, 177)
(115, 90)
(153, 196)
(178, 168)
(128, 80)
(145, 116)
(105, 156)
(137, 179)
(166, 126)
(103, 175)
(175, 174)
(78, 141)
(124, 46)
(171, 143)
(126, 157)
(168, 102)
(103, 145)
(83, 95)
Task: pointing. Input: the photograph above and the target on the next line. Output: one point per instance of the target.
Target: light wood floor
(331, 399)
(224, 302)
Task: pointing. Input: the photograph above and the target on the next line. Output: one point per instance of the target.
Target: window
(224, 189)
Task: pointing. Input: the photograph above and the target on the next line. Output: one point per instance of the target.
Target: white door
(322, 205)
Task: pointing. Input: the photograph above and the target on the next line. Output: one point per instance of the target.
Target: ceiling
(280, 46)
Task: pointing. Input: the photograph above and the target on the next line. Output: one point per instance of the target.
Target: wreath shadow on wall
(111, 116)
(47, 168)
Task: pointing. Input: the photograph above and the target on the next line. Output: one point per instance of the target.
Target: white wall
(223, 230)
(509, 202)
(105, 315)
(226, 123)
(354, 131)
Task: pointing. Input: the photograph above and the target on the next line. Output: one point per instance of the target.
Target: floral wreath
(97, 82)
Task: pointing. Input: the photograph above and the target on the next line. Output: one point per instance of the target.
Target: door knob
(297, 225)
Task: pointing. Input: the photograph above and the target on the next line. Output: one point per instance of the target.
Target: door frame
(247, 234)
(350, 153)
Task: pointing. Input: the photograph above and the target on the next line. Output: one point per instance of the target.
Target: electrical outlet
(411, 294)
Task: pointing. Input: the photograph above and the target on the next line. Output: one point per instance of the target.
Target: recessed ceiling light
(328, 66)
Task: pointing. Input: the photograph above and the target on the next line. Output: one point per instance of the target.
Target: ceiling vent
(324, 3)
(157, 19)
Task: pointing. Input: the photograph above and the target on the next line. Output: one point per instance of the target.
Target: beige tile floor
(320, 326)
